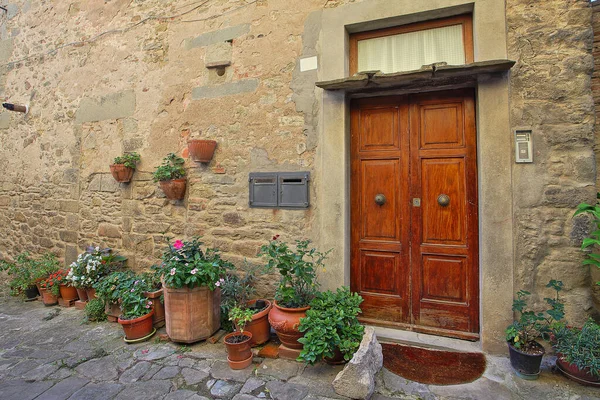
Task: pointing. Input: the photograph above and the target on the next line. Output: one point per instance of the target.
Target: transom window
(408, 47)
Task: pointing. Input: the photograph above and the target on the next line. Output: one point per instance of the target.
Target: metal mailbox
(279, 189)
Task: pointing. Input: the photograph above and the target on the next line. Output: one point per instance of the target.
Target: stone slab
(64, 389)
(135, 373)
(100, 369)
(221, 370)
(22, 390)
(6, 50)
(193, 376)
(225, 89)
(97, 391)
(286, 391)
(167, 373)
(225, 389)
(278, 368)
(151, 390)
(112, 106)
(222, 35)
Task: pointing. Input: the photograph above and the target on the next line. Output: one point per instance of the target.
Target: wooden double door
(414, 232)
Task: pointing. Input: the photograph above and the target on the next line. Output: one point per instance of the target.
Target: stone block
(233, 218)
(218, 55)
(226, 89)
(70, 206)
(109, 230)
(4, 120)
(6, 50)
(68, 236)
(134, 144)
(357, 379)
(222, 35)
(4, 201)
(70, 254)
(113, 106)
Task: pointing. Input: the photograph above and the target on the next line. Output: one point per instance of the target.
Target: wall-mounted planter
(202, 150)
(121, 173)
(174, 189)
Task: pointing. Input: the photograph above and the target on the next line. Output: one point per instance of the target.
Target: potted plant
(136, 312)
(23, 279)
(51, 288)
(191, 278)
(522, 335)
(155, 294)
(43, 267)
(578, 351)
(123, 167)
(94, 310)
(171, 177)
(239, 352)
(109, 289)
(67, 291)
(237, 293)
(331, 328)
(297, 286)
(202, 150)
(89, 267)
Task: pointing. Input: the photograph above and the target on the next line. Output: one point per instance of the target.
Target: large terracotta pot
(137, 328)
(285, 322)
(239, 355)
(121, 173)
(81, 292)
(174, 189)
(158, 320)
(68, 293)
(48, 298)
(582, 376)
(192, 314)
(91, 293)
(202, 150)
(259, 327)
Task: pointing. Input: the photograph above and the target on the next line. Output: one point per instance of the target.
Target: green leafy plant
(134, 303)
(53, 282)
(298, 269)
(46, 265)
(94, 310)
(171, 168)
(531, 325)
(236, 292)
(593, 258)
(185, 263)
(578, 346)
(110, 287)
(92, 265)
(331, 324)
(21, 272)
(128, 159)
(240, 316)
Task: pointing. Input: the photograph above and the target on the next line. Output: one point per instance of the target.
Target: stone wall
(550, 93)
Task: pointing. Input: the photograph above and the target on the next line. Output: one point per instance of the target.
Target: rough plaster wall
(144, 87)
(551, 93)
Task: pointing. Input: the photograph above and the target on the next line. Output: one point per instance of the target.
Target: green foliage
(25, 270)
(92, 265)
(171, 168)
(593, 257)
(53, 282)
(298, 269)
(94, 310)
(110, 288)
(46, 265)
(128, 159)
(331, 323)
(532, 325)
(240, 316)
(236, 292)
(579, 346)
(184, 263)
(134, 303)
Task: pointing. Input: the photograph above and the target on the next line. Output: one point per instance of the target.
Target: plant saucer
(142, 339)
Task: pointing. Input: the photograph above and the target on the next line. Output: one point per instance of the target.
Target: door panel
(416, 262)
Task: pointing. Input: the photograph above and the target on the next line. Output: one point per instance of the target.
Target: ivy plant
(171, 168)
(531, 326)
(128, 159)
(331, 324)
(593, 257)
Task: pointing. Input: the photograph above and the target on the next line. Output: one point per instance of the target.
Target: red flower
(275, 237)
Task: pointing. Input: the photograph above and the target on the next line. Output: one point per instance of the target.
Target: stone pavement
(48, 353)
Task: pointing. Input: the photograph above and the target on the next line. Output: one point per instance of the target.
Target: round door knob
(443, 200)
(380, 199)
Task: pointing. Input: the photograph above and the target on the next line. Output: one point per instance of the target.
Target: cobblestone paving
(49, 353)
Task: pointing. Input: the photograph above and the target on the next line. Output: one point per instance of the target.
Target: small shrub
(128, 159)
(94, 310)
(171, 168)
(579, 346)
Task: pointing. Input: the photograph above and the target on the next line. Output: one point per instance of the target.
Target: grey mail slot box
(279, 189)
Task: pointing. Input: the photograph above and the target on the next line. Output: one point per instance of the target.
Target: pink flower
(178, 244)
(132, 290)
(193, 272)
(149, 303)
(218, 283)
(222, 280)
(173, 270)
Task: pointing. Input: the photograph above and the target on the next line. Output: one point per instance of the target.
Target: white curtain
(409, 51)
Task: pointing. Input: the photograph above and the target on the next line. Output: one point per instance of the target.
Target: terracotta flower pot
(239, 355)
(192, 314)
(158, 320)
(68, 293)
(259, 327)
(121, 173)
(48, 298)
(582, 376)
(174, 189)
(81, 292)
(91, 293)
(202, 150)
(137, 328)
(285, 322)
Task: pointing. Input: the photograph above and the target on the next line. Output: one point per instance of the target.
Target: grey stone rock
(22, 368)
(279, 368)
(22, 390)
(357, 379)
(97, 391)
(481, 389)
(150, 390)
(192, 376)
(186, 362)
(135, 373)
(286, 391)
(242, 396)
(61, 374)
(180, 394)
(41, 372)
(166, 373)
(100, 369)
(394, 383)
(251, 385)
(221, 370)
(154, 353)
(225, 389)
(154, 368)
(64, 389)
